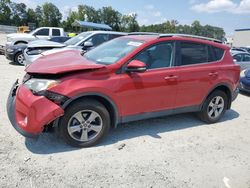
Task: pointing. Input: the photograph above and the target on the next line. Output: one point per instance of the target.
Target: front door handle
(212, 74)
(171, 78)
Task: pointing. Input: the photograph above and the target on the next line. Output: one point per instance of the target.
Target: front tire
(214, 107)
(85, 123)
(19, 58)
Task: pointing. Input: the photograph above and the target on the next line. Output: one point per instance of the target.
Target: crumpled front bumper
(28, 113)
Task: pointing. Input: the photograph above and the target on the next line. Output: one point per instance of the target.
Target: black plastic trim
(149, 115)
(89, 94)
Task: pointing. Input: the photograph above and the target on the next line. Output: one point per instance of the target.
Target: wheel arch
(222, 87)
(105, 100)
(20, 41)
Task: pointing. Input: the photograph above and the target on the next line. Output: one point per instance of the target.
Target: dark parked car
(245, 81)
(15, 53)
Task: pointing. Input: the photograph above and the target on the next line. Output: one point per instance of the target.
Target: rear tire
(214, 107)
(85, 123)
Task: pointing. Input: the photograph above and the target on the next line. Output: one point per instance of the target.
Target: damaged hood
(62, 62)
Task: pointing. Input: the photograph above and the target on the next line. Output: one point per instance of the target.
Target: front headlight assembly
(9, 50)
(40, 87)
(36, 85)
(9, 39)
(35, 52)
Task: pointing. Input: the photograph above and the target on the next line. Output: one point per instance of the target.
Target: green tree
(129, 23)
(5, 12)
(88, 13)
(31, 16)
(51, 15)
(19, 14)
(67, 24)
(39, 16)
(111, 17)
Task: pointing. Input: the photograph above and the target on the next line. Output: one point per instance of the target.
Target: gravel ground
(175, 151)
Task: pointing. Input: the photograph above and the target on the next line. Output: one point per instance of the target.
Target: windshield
(112, 51)
(77, 38)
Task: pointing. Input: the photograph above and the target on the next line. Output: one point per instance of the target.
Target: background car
(14, 53)
(38, 34)
(84, 41)
(245, 81)
(243, 59)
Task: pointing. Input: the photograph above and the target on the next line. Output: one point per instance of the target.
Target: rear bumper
(28, 113)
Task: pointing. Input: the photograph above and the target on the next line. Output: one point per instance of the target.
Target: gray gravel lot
(175, 151)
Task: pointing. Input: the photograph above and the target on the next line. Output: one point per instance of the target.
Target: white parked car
(242, 59)
(82, 42)
(39, 33)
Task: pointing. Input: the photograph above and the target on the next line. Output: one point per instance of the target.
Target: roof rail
(189, 36)
(143, 33)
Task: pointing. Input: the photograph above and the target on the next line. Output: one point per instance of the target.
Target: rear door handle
(171, 77)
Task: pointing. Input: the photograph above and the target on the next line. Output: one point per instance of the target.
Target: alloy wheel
(216, 107)
(85, 125)
(20, 59)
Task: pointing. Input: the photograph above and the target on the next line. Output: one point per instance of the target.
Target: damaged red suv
(130, 78)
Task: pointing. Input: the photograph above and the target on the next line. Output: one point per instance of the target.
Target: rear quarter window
(218, 53)
(56, 32)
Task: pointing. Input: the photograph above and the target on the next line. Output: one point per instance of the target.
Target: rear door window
(98, 39)
(238, 57)
(56, 32)
(246, 57)
(193, 53)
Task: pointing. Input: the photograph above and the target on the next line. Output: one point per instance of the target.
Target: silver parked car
(242, 58)
(82, 42)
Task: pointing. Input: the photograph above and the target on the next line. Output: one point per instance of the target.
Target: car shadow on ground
(14, 64)
(49, 143)
(245, 93)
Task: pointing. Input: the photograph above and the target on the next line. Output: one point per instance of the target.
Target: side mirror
(136, 66)
(88, 45)
(235, 60)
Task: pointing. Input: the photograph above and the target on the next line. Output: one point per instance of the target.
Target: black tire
(17, 60)
(79, 107)
(204, 113)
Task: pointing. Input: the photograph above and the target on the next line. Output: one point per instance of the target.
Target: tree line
(18, 14)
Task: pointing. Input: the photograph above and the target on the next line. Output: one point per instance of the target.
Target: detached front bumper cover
(28, 113)
(11, 112)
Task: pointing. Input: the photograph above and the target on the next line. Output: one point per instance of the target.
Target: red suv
(130, 78)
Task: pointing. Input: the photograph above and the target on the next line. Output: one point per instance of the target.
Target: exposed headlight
(9, 50)
(243, 73)
(34, 52)
(9, 39)
(37, 85)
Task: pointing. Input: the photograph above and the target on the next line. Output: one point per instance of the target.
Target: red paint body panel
(38, 110)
